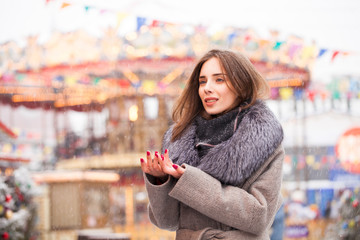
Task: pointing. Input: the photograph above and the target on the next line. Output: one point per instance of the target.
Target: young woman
(220, 171)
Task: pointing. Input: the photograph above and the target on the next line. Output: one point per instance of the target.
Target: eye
(202, 81)
(219, 80)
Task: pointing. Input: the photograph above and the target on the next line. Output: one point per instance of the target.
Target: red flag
(334, 55)
(155, 23)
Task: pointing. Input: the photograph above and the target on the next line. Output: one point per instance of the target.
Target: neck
(207, 116)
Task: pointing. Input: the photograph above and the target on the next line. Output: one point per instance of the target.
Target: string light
(133, 113)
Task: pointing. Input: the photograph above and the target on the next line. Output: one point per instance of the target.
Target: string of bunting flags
(294, 47)
(315, 162)
(156, 38)
(344, 87)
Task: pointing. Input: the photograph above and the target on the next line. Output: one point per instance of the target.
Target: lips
(210, 100)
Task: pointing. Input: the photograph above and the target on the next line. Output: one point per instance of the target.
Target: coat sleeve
(251, 210)
(163, 209)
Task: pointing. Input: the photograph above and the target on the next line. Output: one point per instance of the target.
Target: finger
(167, 162)
(144, 166)
(155, 161)
(161, 161)
(148, 157)
(156, 164)
(179, 171)
(149, 160)
(166, 153)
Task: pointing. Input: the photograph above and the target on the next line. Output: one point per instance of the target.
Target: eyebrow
(215, 75)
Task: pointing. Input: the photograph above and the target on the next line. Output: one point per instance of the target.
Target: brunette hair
(246, 82)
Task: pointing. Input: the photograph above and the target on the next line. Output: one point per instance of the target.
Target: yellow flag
(149, 87)
(310, 160)
(120, 17)
(64, 5)
(286, 93)
(70, 80)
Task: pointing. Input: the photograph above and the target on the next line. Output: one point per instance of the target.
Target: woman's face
(215, 88)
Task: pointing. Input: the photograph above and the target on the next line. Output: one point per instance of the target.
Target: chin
(213, 112)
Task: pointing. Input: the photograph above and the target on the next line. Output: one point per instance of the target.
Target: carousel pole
(66, 118)
(296, 141)
(55, 122)
(91, 129)
(43, 138)
(304, 143)
(279, 107)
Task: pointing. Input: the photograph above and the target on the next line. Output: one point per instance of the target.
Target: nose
(208, 87)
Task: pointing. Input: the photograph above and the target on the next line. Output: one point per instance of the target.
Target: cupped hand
(152, 165)
(161, 166)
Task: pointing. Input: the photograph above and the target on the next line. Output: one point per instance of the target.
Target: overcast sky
(333, 24)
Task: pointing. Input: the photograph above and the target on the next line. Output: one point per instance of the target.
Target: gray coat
(204, 205)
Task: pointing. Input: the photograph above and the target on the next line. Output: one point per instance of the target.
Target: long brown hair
(246, 81)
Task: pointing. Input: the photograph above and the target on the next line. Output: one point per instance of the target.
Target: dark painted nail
(175, 166)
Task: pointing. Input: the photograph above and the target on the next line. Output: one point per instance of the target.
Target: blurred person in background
(219, 172)
(277, 228)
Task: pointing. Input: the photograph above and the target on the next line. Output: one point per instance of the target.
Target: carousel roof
(88, 86)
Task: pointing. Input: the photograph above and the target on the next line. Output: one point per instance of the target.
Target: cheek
(200, 92)
(231, 96)
(226, 91)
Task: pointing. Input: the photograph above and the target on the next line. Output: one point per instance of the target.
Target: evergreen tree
(347, 225)
(17, 209)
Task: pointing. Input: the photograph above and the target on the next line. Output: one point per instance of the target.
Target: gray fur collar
(234, 160)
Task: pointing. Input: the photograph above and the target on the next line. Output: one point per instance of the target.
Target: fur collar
(234, 160)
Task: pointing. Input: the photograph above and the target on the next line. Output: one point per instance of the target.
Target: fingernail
(141, 160)
(166, 150)
(162, 157)
(156, 154)
(148, 153)
(175, 166)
